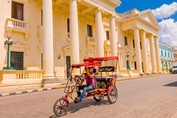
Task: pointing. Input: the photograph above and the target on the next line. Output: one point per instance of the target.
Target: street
(153, 97)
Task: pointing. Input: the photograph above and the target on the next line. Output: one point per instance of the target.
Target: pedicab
(105, 85)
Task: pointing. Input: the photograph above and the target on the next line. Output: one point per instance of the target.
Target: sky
(165, 11)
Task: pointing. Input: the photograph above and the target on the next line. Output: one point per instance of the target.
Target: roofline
(165, 46)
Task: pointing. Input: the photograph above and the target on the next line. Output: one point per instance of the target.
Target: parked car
(174, 68)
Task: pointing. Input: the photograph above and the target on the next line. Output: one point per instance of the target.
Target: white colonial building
(49, 35)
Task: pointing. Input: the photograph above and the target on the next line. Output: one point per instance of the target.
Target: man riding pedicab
(90, 84)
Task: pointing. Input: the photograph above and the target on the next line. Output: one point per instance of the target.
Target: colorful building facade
(49, 35)
(166, 56)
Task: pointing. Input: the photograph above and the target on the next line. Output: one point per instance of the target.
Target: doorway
(68, 65)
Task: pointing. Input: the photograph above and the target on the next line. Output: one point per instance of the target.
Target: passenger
(90, 83)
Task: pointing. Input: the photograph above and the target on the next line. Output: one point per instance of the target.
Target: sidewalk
(24, 91)
(139, 77)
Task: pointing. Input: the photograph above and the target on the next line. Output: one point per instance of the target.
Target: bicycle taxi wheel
(61, 107)
(98, 98)
(112, 94)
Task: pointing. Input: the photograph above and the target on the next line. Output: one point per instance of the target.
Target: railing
(107, 45)
(14, 23)
(90, 41)
(23, 74)
(113, 3)
(129, 14)
(116, 1)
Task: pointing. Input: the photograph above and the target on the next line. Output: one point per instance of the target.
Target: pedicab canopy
(100, 59)
(91, 62)
(87, 64)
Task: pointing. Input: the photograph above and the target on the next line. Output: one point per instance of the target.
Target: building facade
(175, 53)
(49, 35)
(166, 56)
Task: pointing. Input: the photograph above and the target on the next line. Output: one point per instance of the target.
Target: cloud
(168, 32)
(165, 11)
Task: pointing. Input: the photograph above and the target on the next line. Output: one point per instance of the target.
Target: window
(42, 61)
(89, 30)
(140, 45)
(107, 35)
(17, 60)
(161, 52)
(68, 25)
(17, 10)
(133, 43)
(125, 38)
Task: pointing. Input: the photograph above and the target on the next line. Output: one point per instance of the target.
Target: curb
(28, 91)
(141, 77)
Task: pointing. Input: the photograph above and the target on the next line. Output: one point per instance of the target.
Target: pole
(8, 43)
(8, 56)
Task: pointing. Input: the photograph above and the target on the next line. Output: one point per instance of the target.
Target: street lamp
(127, 61)
(8, 42)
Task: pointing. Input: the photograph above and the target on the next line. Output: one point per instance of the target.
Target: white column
(144, 52)
(74, 34)
(159, 68)
(113, 36)
(137, 49)
(48, 60)
(99, 34)
(153, 56)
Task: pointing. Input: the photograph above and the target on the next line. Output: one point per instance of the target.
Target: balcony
(16, 25)
(129, 14)
(107, 45)
(90, 41)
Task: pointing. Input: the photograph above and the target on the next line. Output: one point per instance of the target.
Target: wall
(5, 6)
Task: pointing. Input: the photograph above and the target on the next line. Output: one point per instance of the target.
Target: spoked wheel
(79, 80)
(98, 98)
(61, 107)
(112, 94)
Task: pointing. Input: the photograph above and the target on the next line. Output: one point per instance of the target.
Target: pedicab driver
(90, 83)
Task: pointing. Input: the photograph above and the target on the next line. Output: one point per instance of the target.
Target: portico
(74, 36)
(140, 36)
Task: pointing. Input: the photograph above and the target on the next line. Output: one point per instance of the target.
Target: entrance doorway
(68, 65)
(135, 65)
(17, 60)
(142, 67)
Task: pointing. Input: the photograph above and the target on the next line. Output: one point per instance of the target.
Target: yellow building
(49, 35)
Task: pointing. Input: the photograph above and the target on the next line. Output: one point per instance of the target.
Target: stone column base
(129, 72)
(54, 82)
(160, 72)
(147, 73)
(141, 74)
(154, 73)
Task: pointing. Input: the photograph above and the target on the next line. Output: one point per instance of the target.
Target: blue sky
(165, 11)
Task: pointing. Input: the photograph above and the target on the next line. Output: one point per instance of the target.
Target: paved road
(154, 97)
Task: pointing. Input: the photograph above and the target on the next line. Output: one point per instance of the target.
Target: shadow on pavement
(173, 84)
(84, 104)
